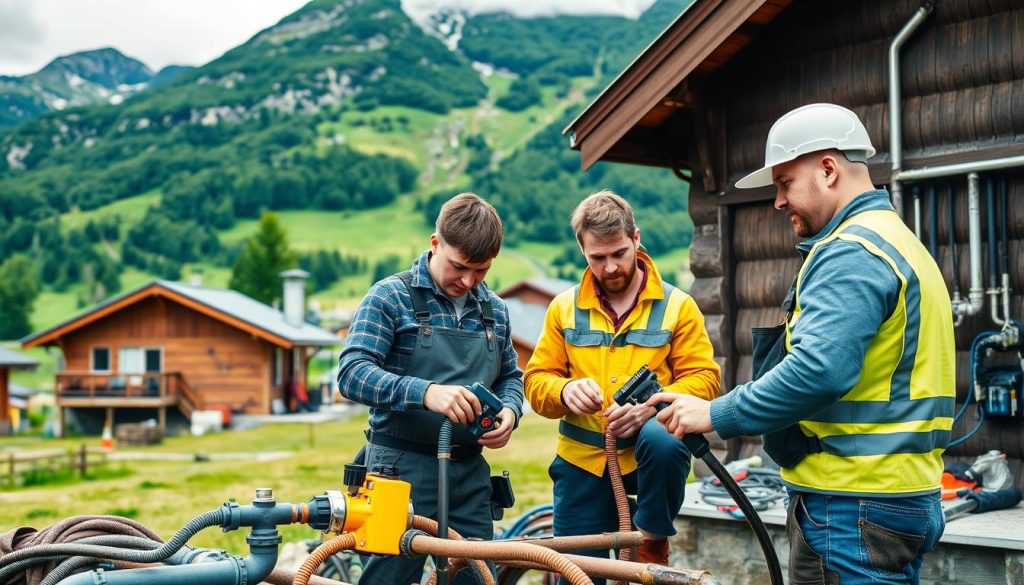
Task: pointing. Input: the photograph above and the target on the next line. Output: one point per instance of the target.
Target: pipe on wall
(895, 103)
(976, 295)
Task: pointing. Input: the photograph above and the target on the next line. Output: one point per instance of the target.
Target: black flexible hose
(774, 569)
(1004, 218)
(444, 451)
(205, 520)
(72, 564)
(993, 248)
(699, 447)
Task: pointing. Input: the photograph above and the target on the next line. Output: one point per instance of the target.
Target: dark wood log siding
(962, 77)
(963, 92)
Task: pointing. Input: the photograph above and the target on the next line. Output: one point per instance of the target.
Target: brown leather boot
(653, 551)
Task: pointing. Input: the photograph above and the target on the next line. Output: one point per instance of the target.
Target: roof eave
(676, 53)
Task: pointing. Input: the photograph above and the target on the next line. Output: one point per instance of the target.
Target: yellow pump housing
(378, 513)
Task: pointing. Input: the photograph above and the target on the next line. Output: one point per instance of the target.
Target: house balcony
(116, 390)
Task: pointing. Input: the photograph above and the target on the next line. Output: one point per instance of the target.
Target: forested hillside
(343, 106)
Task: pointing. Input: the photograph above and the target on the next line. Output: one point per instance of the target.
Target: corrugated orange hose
(619, 490)
(629, 571)
(498, 549)
(322, 552)
(586, 541)
(454, 565)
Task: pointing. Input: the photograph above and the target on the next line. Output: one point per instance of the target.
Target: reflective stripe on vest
(581, 335)
(886, 434)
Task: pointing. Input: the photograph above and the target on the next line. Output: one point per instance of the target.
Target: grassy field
(165, 494)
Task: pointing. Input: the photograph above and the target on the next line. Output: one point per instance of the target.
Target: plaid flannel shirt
(382, 338)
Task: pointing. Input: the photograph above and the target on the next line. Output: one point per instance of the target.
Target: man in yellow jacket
(596, 335)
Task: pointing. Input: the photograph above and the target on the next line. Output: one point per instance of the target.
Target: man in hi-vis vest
(621, 316)
(855, 395)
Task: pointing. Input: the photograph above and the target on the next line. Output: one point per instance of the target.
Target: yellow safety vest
(887, 434)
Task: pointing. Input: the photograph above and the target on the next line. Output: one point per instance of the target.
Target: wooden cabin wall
(962, 75)
(963, 98)
(224, 364)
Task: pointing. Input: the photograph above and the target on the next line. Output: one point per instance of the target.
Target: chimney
(195, 277)
(294, 296)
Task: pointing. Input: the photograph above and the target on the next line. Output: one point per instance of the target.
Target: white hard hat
(807, 129)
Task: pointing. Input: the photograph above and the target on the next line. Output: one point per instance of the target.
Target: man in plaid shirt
(417, 341)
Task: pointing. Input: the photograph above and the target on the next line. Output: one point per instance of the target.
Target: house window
(100, 359)
(153, 359)
(139, 360)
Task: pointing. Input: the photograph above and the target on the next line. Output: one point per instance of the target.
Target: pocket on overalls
(806, 567)
(892, 535)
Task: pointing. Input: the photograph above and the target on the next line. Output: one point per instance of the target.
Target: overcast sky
(194, 32)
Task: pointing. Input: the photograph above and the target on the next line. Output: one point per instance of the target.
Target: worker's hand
(499, 437)
(685, 415)
(624, 421)
(456, 403)
(582, 396)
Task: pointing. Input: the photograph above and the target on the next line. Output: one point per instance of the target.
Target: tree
(266, 254)
(18, 291)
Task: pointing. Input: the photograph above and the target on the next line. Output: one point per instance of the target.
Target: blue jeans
(849, 540)
(585, 504)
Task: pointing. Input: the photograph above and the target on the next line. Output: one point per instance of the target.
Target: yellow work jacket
(665, 331)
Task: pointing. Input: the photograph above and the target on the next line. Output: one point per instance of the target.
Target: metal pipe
(976, 294)
(980, 166)
(933, 223)
(895, 102)
(917, 211)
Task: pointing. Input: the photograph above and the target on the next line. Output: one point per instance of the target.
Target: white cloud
(19, 31)
(419, 9)
(157, 32)
(194, 32)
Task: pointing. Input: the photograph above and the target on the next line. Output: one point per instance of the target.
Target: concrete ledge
(1003, 529)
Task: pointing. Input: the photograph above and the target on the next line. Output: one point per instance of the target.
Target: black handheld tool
(639, 388)
(490, 407)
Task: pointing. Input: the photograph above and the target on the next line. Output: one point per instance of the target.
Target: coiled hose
(205, 520)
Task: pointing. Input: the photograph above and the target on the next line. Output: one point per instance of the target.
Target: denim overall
(443, 356)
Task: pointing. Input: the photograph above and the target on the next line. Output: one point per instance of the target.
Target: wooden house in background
(169, 346)
(527, 302)
(701, 99)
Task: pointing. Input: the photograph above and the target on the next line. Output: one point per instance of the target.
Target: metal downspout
(895, 101)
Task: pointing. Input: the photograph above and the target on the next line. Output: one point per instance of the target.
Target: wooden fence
(16, 466)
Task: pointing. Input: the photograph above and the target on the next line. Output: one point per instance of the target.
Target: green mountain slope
(352, 123)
